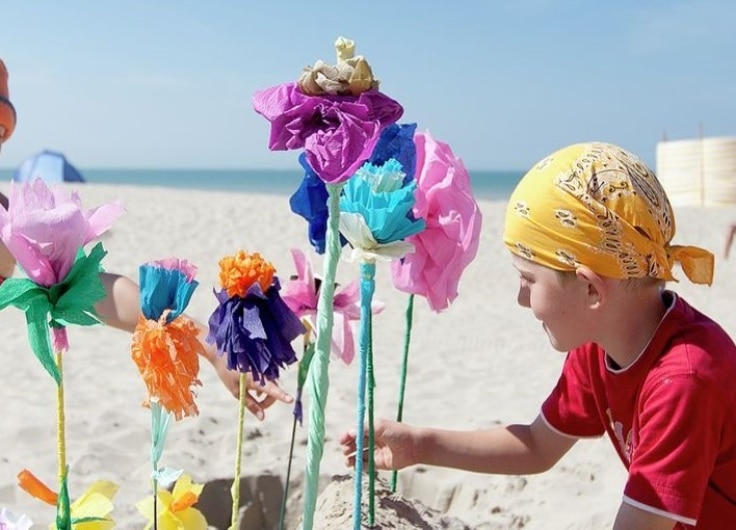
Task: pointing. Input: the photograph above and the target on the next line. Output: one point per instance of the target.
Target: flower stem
(288, 476)
(235, 490)
(318, 372)
(60, 421)
(404, 365)
(367, 287)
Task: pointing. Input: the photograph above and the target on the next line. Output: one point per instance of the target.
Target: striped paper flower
(166, 346)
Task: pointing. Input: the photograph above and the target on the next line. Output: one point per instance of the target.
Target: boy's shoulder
(688, 342)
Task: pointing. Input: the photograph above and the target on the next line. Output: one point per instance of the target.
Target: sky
(168, 83)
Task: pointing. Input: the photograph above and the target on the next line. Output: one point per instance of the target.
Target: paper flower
(175, 509)
(351, 75)
(69, 302)
(444, 198)
(166, 346)
(45, 229)
(91, 511)
(375, 212)
(310, 201)
(166, 285)
(8, 521)
(252, 324)
(397, 142)
(338, 133)
(301, 295)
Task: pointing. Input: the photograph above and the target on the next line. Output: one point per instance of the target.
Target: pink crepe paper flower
(444, 198)
(44, 229)
(301, 295)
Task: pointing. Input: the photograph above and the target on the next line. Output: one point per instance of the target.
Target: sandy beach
(482, 362)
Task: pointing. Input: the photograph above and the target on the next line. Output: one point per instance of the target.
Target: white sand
(482, 362)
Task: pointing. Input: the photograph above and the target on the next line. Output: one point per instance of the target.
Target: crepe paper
(301, 295)
(44, 229)
(166, 285)
(8, 521)
(444, 197)
(337, 132)
(375, 217)
(32, 485)
(366, 383)
(69, 302)
(90, 511)
(375, 212)
(167, 357)
(397, 142)
(304, 363)
(318, 372)
(235, 488)
(446, 247)
(351, 75)
(177, 507)
(160, 421)
(254, 329)
(409, 317)
(310, 202)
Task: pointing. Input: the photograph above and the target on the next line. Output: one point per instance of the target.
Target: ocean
(487, 185)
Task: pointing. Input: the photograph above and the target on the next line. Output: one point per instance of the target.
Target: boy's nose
(523, 297)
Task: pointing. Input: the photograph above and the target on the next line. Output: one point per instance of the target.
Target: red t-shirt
(671, 416)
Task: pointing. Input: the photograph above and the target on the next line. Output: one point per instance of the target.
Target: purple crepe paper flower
(444, 198)
(255, 331)
(301, 295)
(338, 132)
(45, 229)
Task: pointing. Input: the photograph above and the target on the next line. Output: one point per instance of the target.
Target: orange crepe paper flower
(167, 356)
(239, 272)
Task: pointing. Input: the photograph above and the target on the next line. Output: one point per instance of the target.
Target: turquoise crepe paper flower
(376, 211)
(166, 285)
(69, 302)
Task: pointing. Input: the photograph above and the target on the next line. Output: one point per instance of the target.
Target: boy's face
(558, 301)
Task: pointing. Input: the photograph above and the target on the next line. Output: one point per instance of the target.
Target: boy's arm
(631, 518)
(121, 308)
(511, 450)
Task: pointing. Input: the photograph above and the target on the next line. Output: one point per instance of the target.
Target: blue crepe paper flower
(255, 331)
(165, 286)
(310, 201)
(397, 142)
(379, 195)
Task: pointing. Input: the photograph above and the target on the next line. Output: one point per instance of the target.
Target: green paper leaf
(304, 363)
(63, 508)
(38, 335)
(74, 301)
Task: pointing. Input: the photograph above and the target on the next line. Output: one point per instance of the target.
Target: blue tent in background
(50, 166)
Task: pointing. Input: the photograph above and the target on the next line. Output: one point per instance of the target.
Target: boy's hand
(395, 445)
(259, 397)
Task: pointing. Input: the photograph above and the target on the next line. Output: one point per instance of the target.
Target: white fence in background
(699, 172)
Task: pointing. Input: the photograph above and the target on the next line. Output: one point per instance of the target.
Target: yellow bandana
(597, 205)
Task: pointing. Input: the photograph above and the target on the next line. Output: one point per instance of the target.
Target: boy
(589, 229)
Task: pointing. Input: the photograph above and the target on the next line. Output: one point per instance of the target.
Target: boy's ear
(594, 283)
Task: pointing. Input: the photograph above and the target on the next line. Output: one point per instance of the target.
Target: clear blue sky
(167, 83)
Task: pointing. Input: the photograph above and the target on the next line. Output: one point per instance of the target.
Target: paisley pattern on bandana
(598, 205)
